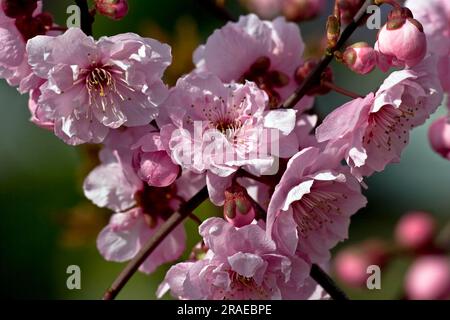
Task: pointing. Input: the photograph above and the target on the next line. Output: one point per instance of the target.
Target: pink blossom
(92, 87)
(238, 209)
(434, 15)
(242, 263)
(264, 52)
(211, 127)
(439, 136)
(139, 208)
(429, 278)
(360, 58)
(415, 230)
(14, 33)
(372, 132)
(402, 39)
(310, 210)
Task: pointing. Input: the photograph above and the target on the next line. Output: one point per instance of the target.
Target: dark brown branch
(168, 226)
(315, 76)
(86, 18)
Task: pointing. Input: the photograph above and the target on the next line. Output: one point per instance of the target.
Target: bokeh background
(46, 224)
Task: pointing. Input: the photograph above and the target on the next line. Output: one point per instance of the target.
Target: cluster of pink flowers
(221, 127)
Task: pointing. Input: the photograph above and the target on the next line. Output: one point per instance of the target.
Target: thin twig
(324, 280)
(86, 18)
(168, 226)
(315, 76)
(340, 90)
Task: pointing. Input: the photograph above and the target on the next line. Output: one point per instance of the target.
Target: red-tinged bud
(19, 8)
(360, 58)
(303, 71)
(114, 9)
(238, 209)
(301, 10)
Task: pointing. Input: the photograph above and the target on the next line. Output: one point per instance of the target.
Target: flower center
(266, 79)
(227, 126)
(99, 80)
(389, 126)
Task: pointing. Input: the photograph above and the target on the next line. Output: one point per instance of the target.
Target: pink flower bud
(429, 279)
(351, 264)
(360, 58)
(402, 38)
(439, 136)
(114, 9)
(415, 230)
(17, 8)
(155, 168)
(301, 10)
(238, 209)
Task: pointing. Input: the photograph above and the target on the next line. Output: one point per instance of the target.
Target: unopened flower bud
(439, 136)
(333, 31)
(18, 8)
(156, 168)
(402, 39)
(360, 58)
(429, 278)
(114, 9)
(238, 209)
(415, 230)
(304, 70)
(301, 10)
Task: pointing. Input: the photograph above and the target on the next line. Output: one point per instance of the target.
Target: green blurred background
(47, 225)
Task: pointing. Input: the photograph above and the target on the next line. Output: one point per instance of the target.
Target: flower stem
(315, 76)
(86, 18)
(324, 280)
(340, 90)
(174, 220)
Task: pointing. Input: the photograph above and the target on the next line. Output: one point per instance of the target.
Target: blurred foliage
(47, 224)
